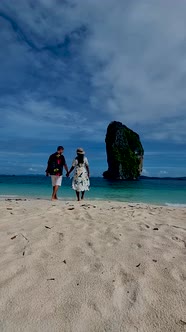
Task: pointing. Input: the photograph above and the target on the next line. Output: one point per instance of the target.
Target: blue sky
(68, 68)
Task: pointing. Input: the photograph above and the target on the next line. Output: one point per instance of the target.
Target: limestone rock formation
(124, 153)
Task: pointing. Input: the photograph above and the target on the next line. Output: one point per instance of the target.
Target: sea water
(153, 191)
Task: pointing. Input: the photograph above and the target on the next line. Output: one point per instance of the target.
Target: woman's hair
(80, 158)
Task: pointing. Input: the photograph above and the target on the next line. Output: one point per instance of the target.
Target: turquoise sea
(154, 191)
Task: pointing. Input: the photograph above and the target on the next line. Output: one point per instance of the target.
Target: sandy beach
(91, 267)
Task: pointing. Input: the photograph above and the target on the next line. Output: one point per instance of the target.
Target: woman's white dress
(80, 180)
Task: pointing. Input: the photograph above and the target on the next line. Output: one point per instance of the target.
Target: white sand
(101, 266)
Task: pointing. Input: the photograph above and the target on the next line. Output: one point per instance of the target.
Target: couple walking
(80, 182)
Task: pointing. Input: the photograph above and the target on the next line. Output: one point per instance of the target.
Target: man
(56, 162)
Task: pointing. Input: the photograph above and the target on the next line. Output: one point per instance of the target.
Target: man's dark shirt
(55, 164)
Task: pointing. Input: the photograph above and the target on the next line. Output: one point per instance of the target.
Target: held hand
(47, 174)
(67, 175)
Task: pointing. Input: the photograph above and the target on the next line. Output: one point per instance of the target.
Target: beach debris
(182, 322)
(49, 227)
(64, 261)
(24, 237)
(15, 199)
(9, 208)
(13, 237)
(155, 229)
(71, 208)
(179, 227)
(138, 265)
(88, 206)
(154, 260)
(51, 279)
(77, 284)
(147, 226)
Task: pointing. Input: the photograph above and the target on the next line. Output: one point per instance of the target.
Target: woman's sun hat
(80, 151)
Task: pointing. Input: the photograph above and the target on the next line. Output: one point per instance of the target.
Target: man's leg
(56, 183)
(82, 194)
(54, 194)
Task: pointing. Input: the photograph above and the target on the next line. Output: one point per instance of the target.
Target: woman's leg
(82, 194)
(78, 196)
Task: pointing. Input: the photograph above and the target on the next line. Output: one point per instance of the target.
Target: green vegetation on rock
(124, 152)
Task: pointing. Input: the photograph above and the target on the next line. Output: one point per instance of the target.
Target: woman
(80, 182)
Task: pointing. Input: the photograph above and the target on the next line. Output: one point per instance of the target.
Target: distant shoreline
(142, 177)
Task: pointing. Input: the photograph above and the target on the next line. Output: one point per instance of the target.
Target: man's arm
(66, 168)
(48, 167)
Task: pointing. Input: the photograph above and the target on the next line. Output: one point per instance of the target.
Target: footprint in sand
(61, 237)
(126, 289)
(177, 239)
(142, 226)
(178, 275)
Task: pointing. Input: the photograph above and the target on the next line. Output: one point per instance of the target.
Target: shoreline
(89, 200)
(155, 192)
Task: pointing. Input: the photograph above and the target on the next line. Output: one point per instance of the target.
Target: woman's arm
(88, 171)
(87, 166)
(68, 173)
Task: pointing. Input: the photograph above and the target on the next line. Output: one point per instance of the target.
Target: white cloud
(31, 169)
(145, 172)
(142, 78)
(163, 172)
(133, 53)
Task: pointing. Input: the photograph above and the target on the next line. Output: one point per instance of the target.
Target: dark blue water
(159, 191)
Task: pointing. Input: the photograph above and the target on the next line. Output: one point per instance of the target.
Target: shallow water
(159, 191)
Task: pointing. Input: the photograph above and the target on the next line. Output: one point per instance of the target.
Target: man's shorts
(56, 180)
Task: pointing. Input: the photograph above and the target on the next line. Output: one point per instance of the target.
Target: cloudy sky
(69, 67)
